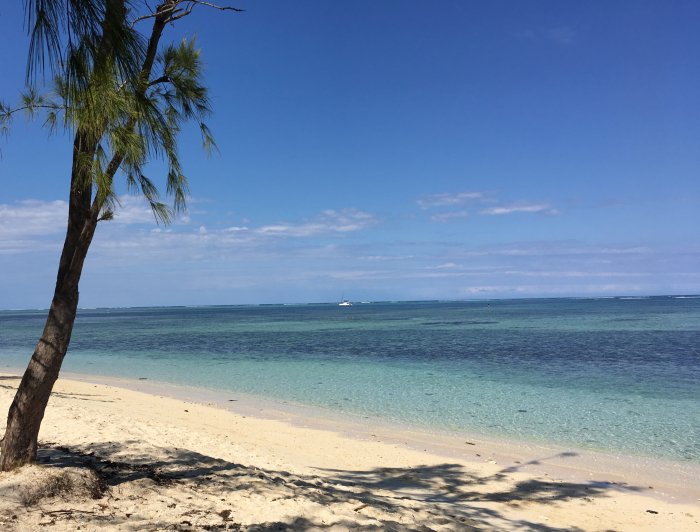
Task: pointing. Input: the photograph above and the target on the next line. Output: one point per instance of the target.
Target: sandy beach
(114, 458)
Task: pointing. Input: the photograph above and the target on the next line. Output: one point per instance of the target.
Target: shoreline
(189, 463)
(672, 481)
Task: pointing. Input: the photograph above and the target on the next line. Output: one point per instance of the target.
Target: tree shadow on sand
(421, 499)
(12, 381)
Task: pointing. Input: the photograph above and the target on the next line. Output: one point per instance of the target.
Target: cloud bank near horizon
(202, 259)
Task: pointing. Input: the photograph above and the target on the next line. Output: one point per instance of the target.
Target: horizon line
(624, 296)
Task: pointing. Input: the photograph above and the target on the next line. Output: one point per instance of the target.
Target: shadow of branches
(186, 490)
(14, 382)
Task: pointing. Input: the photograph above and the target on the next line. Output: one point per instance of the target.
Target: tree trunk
(19, 444)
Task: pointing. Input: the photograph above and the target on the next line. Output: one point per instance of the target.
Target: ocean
(609, 374)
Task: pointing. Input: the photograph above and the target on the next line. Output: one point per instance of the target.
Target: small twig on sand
(52, 512)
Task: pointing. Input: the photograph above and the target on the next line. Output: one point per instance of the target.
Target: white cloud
(133, 210)
(26, 245)
(488, 289)
(447, 199)
(136, 210)
(346, 220)
(444, 217)
(450, 199)
(360, 274)
(32, 218)
(540, 207)
(453, 266)
(553, 248)
(385, 257)
(558, 290)
(235, 243)
(35, 217)
(32, 225)
(575, 274)
(328, 223)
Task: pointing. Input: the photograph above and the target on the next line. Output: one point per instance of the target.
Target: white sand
(176, 465)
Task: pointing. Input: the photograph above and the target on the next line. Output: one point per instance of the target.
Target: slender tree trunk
(19, 444)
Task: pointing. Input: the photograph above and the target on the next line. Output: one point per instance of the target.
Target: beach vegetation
(124, 99)
(70, 482)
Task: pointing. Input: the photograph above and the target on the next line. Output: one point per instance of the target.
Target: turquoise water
(611, 374)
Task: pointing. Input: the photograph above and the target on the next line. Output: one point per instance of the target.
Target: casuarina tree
(124, 99)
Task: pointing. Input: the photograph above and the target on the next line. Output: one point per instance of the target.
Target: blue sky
(397, 151)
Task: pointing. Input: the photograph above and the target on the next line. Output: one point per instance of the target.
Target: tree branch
(162, 79)
(142, 18)
(110, 171)
(216, 7)
(187, 12)
(172, 11)
(25, 107)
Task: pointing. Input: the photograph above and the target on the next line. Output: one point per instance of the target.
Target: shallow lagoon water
(610, 374)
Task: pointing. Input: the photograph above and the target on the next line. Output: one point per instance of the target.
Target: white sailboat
(344, 302)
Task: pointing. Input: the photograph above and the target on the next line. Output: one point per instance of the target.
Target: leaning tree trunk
(19, 444)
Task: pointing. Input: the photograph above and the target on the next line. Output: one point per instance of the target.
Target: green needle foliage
(128, 121)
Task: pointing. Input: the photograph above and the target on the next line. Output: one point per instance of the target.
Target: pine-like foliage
(124, 107)
(58, 27)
